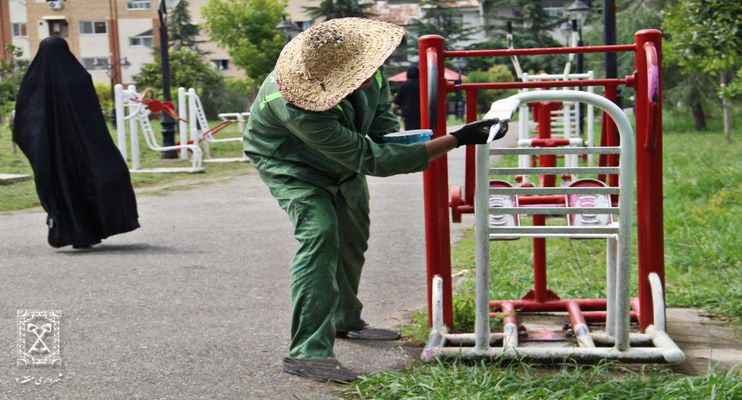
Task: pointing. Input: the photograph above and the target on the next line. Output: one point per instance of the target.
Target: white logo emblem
(38, 337)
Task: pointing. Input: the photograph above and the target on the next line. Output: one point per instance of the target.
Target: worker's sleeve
(323, 132)
(384, 119)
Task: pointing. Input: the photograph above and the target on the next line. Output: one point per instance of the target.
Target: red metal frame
(647, 81)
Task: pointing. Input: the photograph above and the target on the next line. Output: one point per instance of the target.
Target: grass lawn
(703, 216)
(23, 194)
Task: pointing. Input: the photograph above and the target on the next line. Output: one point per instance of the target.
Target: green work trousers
(332, 227)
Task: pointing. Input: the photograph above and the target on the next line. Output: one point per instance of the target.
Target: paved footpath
(195, 304)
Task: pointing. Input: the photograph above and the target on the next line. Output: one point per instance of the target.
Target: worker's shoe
(319, 369)
(369, 333)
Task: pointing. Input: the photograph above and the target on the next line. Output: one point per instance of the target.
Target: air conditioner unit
(55, 5)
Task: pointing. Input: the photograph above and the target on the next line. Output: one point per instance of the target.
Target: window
(221, 64)
(58, 28)
(138, 5)
(303, 25)
(90, 63)
(141, 41)
(19, 30)
(93, 27)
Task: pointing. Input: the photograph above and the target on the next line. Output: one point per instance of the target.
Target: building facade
(113, 39)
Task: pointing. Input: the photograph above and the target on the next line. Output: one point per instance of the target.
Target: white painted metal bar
(469, 338)
(554, 170)
(555, 150)
(481, 215)
(590, 121)
(610, 261)
(516, 230)
(120, 125)
(182, 125)
(658, 301)
(555, 210)
(554, 190)
(437, 304)
(583, 354)
(134, 109)
(558, 77)
(662, 340)
(636, 339)
(506, 236)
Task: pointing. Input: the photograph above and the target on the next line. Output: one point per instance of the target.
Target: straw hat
(327, 62)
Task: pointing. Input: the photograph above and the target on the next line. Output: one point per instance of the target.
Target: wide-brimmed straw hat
(327, 62)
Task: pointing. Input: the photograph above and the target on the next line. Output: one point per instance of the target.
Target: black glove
(478, 132)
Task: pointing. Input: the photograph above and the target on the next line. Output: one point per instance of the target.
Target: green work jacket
(329, 147)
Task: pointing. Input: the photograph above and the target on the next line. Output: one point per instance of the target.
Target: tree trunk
(727, 109)
(699, 118)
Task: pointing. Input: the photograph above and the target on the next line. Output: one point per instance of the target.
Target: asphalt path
(195, 304)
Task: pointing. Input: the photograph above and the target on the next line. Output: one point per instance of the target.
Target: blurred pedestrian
(408, 99)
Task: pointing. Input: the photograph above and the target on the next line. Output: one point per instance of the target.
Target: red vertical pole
(469, 178)
(649, 216)
(543, 110)
(435, 181)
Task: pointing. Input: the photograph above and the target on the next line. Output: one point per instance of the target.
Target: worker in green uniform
(315, 131)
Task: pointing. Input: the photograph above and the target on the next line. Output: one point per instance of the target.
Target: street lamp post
(459, 63)
(109, 67)
(578, 11)
(288, 29)
(166, 121)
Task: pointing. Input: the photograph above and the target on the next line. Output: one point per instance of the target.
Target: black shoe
(319, 369)
(369, 333)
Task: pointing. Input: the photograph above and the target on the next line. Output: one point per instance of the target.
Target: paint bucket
(408, 137)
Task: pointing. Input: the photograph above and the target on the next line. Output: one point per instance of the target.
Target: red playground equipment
(547, 199)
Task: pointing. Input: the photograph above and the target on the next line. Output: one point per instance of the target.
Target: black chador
(81, 178)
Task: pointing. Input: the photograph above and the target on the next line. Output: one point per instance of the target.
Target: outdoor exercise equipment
(194, 127)
(584, 202)
(136, 108)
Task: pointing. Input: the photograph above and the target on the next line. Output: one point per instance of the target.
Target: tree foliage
(248, 29)
(440, 18)
(181, 31)
(706, 35)
(329, 9)
(496, 73)
(11, 74)
(187, 69)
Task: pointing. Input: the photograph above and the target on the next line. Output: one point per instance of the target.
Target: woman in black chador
(82, 181)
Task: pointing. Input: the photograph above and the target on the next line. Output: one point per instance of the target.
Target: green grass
(459, 380)
(703, 261)
(23, 194)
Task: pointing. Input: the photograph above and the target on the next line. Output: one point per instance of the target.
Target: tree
(706, 37)
(248, 29)
(532, 27)
(181, 31)
(496, 73)
(11, 74)
(188, 70)
(329, 9)
(439, 18)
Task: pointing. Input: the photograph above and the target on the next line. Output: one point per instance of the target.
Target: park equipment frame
(138, 117)
(194, 127)
(646, 81)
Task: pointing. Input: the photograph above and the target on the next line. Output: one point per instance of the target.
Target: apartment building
(103, 34)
